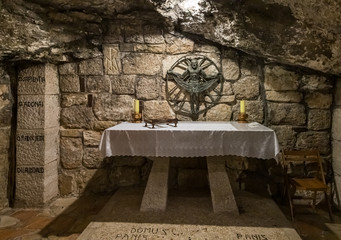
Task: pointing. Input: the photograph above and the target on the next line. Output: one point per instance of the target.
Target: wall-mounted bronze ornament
(194, 84)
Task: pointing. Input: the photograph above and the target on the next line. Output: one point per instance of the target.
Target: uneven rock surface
(287, 31)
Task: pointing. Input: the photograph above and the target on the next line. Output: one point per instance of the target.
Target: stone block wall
(6, 104)
(98, 93)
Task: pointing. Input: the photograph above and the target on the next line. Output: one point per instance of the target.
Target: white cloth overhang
(190, 139)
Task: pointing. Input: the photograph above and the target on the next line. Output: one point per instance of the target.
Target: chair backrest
(304, 158)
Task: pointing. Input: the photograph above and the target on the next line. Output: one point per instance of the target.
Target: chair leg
(284, 193)
(314, 201)
(327, 196)
(290, 203)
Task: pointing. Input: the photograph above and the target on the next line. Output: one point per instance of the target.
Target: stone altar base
(189, 215)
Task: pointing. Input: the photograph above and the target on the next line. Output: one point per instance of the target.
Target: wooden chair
(303, 171)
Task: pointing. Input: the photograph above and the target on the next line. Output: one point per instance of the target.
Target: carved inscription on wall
(30, 148)
(32, 79)
(37, 134)
(30, 170)
(31, 111)
(30, 138)
(112, 63)
(31, 104)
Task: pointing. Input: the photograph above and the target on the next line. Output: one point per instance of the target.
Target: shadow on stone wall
(8, 86)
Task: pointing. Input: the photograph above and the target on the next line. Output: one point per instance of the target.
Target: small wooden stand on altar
(153, 122)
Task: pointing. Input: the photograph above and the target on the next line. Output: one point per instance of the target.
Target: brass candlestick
(137, 117)
(242, 117)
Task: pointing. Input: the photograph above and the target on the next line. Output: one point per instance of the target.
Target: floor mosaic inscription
(144, 231)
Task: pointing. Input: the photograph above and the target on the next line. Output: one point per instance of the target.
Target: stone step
(142, 231)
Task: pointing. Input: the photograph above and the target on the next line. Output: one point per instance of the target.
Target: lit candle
(137, 106)
(242, 106)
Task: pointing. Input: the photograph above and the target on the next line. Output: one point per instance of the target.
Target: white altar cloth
(190, 139)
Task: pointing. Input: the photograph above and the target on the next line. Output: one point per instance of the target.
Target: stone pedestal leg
(221, 192)
(156, 192)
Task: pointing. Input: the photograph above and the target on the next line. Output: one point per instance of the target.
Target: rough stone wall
(98, 93)
(304, 33)
(6, 103)
(336, 137)
(288, 31)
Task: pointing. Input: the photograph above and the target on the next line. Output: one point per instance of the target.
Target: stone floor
(68, 218)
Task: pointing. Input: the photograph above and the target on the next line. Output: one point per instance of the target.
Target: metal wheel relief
(194, 84)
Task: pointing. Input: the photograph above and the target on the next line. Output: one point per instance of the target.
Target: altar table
(190, 139)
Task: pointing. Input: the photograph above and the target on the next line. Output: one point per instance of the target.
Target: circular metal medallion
(194, 84)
